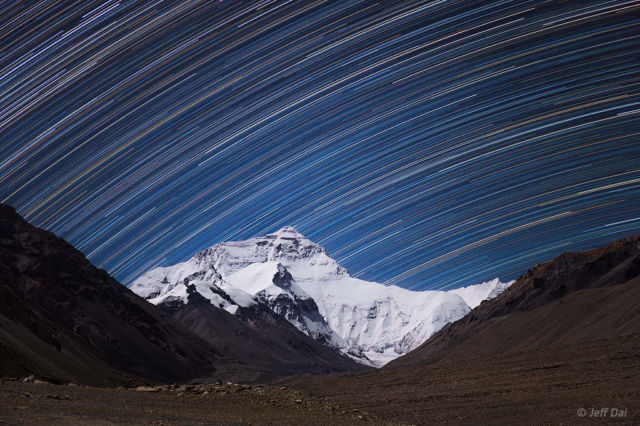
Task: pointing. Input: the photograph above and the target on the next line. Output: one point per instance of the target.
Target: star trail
(426, 144)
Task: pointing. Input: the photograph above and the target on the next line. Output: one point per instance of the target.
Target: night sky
(429, 144)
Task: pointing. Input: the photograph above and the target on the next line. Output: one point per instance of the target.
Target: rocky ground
(551, 386)
(194, 404)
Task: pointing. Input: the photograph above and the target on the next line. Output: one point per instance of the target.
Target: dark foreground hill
(63, 319)
(574, 299)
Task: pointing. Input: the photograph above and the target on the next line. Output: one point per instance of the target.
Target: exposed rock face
(297, 307)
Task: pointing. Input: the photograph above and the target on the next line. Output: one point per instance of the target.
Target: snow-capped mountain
(297, 279)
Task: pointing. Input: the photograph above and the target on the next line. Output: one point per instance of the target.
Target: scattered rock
(59, 398)
(30, 378)
(146, 389)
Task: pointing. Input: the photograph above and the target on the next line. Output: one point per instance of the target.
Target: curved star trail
(426, 144)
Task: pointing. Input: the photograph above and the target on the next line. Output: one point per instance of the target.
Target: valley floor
(547, 386)
(550, 386)
(30, 403)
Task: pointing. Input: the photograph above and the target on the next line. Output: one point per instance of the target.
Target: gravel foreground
(196, 404)
(554, 386)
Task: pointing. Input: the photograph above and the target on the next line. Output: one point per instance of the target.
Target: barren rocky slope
(573, 299)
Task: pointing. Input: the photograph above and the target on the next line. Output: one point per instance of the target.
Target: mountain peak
(287, 232)
(296, 278)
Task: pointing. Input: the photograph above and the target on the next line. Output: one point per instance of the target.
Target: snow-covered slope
(473, 295)
(170, 285)
(297, 279)
(381, 321)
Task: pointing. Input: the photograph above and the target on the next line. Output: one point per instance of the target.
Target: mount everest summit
(296, 278)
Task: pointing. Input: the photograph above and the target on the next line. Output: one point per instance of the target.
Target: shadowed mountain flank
(63, 319)
(575, 298)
